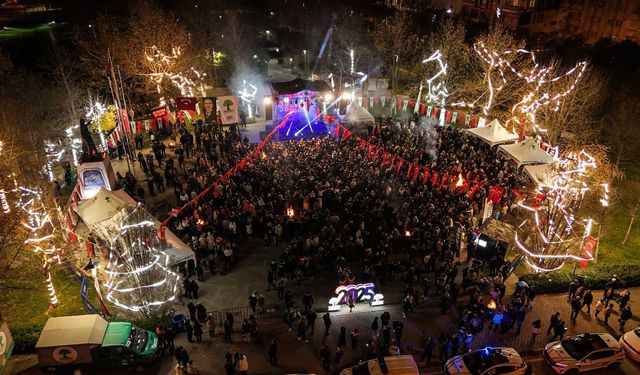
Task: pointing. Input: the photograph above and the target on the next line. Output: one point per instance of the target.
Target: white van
(396, 365)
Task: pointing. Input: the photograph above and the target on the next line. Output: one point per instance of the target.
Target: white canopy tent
(358, 115)
(493, 134)
(541, 173)
(103, 214)
(526, 152)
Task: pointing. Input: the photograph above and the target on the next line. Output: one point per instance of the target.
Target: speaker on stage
(268, 108)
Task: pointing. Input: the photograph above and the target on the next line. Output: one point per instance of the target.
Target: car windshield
(579, 347)
(361, 369)
(137, 339)
(480, 361)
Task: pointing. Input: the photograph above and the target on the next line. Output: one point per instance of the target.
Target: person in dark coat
(273, 352)
(189, 329)
(327, 323)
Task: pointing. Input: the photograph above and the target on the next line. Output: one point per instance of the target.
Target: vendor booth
(526, 152)
(541, 174)
(493, 134)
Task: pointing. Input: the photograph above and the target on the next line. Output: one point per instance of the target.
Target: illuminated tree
(138, 276)
(555, 231)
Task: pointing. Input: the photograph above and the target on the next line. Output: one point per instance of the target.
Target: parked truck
(88, 342)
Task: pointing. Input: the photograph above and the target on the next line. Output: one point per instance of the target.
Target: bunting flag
(481, 122)
(409, 170)
(445, 178)
(399, 165)
(435, 111)
(467, 119)
(429, 109)
(416, 172)
(383, 100)
(384, 157)
(346, 133)
(423, 109)
(425, 176)
(405, 104)
(375, 156)
(473, 190)
(454, 118)
(434, 178)
(336, 131)
(369, 150)
(393, 159)
(461, 118)
(360, 101)
(474, 122)
(363, 143)
(447, 117)
(412, 104)
(371, 102)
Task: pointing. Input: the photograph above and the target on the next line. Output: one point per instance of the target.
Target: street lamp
(290, 63)
(304, 52)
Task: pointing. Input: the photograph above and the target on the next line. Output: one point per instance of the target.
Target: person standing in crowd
(273, 352)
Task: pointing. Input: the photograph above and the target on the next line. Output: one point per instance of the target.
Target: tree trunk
(633, 217)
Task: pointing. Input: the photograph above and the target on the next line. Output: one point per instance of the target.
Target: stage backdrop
(228, 106)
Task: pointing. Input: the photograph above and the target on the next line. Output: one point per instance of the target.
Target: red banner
(185, 103)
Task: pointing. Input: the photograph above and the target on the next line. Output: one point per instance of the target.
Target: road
(540, 367)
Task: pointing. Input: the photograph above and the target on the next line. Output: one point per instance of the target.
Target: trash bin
(177, 322)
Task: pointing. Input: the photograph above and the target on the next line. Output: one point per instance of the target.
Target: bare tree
(391, 38)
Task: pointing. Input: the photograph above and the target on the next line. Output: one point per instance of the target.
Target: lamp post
(304, 52)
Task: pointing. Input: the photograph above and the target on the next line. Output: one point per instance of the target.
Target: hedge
(595, 277)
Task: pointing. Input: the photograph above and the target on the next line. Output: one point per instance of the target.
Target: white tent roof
(541, 173)
(356, 114)
(104, 213)
(493, 134)
(526, 152)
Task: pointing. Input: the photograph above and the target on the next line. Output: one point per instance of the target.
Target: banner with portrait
(209, 109)
(228, 106)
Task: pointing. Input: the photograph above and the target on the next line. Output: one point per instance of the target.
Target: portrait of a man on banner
(209, 109)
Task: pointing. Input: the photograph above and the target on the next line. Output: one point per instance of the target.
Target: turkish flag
(425, 175)
(409, 170)
(588, 248)
(186, 103)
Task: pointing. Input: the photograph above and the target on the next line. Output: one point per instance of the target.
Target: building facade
(591, 20)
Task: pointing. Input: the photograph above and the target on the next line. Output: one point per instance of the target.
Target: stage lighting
(328, 97)
(286, 100)
(346, 96)
(267, 100)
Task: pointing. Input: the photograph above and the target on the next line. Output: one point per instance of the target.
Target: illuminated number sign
(359, 293)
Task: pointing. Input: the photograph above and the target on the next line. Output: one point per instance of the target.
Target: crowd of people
(332, 205)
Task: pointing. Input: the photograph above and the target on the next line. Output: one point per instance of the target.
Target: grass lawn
(25, 300)
(617, 219)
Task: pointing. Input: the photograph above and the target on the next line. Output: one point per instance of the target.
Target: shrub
(595, 277)
(25, 337)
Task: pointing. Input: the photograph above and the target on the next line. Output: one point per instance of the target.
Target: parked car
(585, 352)
(504, 361)
(393, 365)
(630, 342)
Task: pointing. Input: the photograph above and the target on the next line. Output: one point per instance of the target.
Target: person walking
(355, 335)
(197, 331)
(553, 322)
(302, 330)
(227, 331)
(273, 352)
(325, 354)
(599, 307)
(625, 315)
(342, 339)
(576, 303)
(559, 330)
(535, 330)
(211, 325)
(188, 327)
(311, 321)
(587, 299)
(327, 323)
(374, 326)
(351, 303)
(607, 313)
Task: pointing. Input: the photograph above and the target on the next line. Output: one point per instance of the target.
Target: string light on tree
(41, 236)
(436, 84)
(248, 95)
(553, 235)
(139, 279)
